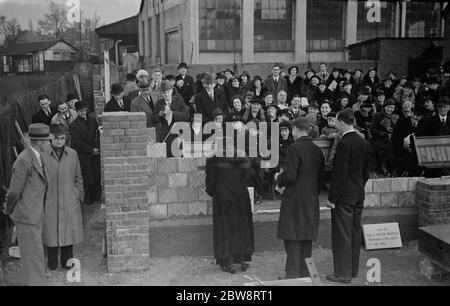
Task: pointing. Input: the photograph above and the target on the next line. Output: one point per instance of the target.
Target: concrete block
(167, 165)
(159, 211)
(152, 195)
(152, 165)
(399, 184)
(198, 209)
(187, 165)
(389, 200)
(177, 209)
(369, 186)
(157, 150)
(177, 180)
(197, 179)
(188, 194)
(159, 180)
(412, 184)
(382, 185)
(166, 196)
(372, 200)
(406, 199)
(202, 195)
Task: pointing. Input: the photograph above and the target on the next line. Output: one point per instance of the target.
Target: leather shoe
(244, 266)
(230, 269)
(341, 280)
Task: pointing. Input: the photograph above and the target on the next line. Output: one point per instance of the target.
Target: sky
(108, 10)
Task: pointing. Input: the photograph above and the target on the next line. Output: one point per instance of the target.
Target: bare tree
(55, 20)
(9, 29)
(30, 25)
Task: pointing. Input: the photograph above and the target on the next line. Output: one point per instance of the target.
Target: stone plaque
(382, 236)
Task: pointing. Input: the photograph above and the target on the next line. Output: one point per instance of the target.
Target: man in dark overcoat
(346, 198)
(85, 140)
(46, 113)
(300, 208)
(209, 99)
(169, 110)
(118, 102)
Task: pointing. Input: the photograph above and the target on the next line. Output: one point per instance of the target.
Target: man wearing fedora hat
(145, 102)
(168, 110)
(86, 142)
(188, 81)
(118, 102)
(25, 204)
(209, 99)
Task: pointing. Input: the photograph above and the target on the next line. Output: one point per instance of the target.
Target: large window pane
(274, 25)
(325, 25)
(220, 25)
(385, 28)
(423, 19)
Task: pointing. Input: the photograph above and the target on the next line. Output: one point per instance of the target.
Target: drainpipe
(117, 52)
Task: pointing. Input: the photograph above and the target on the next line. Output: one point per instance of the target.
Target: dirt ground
(398, 267)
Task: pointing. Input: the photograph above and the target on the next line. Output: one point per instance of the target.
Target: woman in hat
(312, 88)
(254, 112)
(309, 73)
(294, 82)
(382, 127)
(334, 77)
(363, 119)
(233, 236)
(246, 82)
(322, 120)
(371, 79)
(405, 109)
(387, 87)
(234, 90)
(341, 104)
(63, 222)
(405, 93)
(322, 94)
(258, 88)
(286, 139)
(268, 99)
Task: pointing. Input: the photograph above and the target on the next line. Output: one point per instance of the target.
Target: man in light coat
(63, 222)
(25, 204)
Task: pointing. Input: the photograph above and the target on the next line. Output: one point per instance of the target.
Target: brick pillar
(433, 201)
(124, 144)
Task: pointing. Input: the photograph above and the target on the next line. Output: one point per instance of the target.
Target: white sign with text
(382, 236)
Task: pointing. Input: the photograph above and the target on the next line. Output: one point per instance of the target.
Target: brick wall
(141, 184)
(433, 201)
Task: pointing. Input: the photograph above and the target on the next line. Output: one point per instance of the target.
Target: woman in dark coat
(294, 82)
(226, 183)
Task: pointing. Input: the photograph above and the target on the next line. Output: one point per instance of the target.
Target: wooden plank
(443, 153)
(429, 156)
(437, 150)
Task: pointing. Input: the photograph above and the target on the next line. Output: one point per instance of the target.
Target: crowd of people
(389, 110)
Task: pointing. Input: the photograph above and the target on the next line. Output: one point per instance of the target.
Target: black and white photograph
(224, 148)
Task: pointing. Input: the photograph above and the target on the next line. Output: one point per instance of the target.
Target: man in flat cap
(25, 204)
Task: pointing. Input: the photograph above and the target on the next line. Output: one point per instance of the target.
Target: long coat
(26, 195)
(226, 183)
(63, 224)
(276, 88)
(113, 106)
(85, 137)
(41, 117)
(140, 105)
(180, 114)
(302, 177)
(206, 106)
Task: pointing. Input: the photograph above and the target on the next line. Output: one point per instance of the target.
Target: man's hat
(80, 105)
(310, 70)
(285, 125)
(166, 86)
(208, 79)
(217, 112)
(256, 101)
(71, 97)
(183, 65)
(389, 102)
(229, 70)
(420, 110)
(39, 131)
(143, 83)
(220, 76)
(58, 130)
(366, 104)
(285, 112)
(116, 89)
(444, 100)
(245, 73)
(332, 115)
(273, 104)
(169, 77)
